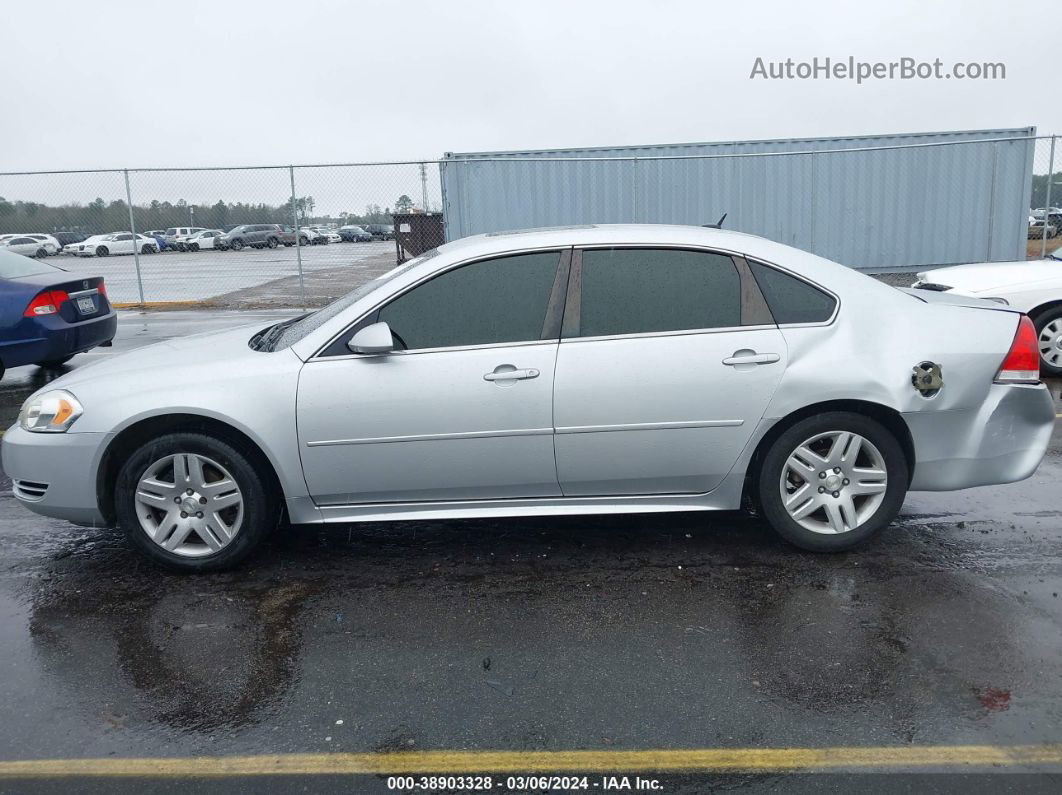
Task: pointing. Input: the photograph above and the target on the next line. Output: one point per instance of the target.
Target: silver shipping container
(869, 202)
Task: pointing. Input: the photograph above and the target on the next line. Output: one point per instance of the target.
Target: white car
(24, 245)
(1032, 286)
(331, 235)
(175, 233)
(49, 243)
(73, 248)
(308, 236)
(117, 243)
(200, 240)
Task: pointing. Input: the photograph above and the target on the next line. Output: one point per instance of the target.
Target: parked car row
(188, 238)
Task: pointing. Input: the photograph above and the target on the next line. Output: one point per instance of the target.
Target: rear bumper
(1001, 441)
(50, 337)
(54, 473)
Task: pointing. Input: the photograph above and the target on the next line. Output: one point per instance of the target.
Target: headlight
(50, 412)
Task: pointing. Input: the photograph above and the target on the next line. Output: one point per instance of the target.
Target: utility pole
(424, 186)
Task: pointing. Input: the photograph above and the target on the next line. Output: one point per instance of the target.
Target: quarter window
(494, 301)
(640, 291)
(790, 299)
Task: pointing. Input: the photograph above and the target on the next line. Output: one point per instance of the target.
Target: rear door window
(647, 290)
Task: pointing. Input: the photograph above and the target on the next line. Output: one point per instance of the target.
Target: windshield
(15, 266)
(308, 323)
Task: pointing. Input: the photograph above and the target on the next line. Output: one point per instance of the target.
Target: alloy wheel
(833, 482)
(1050, 342)
(189, 505)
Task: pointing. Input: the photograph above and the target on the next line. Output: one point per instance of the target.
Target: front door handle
(507, 372)
(752, 358)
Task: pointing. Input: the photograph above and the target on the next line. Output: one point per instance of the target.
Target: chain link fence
(300, 236)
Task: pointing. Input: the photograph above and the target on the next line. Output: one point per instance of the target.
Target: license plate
(86, 305)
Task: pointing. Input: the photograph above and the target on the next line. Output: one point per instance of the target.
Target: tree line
(100, 216)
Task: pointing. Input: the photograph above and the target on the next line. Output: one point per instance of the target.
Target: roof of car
(810, 265)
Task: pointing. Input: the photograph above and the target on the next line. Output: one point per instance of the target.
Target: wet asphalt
(665, 631)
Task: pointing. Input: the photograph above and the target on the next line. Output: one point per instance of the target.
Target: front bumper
(64, 464)
(1001, 441)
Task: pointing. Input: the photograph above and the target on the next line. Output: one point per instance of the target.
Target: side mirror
(372, 339)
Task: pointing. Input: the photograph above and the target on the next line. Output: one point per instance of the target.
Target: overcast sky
(233, 82)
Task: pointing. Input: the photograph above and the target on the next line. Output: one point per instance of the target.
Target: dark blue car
(48, 314)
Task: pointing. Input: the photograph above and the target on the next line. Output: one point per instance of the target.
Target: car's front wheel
(102, 251)
(236, 244)
(832, 481)
(1049, 340)
(193, 503)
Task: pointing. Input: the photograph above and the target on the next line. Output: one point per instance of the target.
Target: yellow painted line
(661, 761)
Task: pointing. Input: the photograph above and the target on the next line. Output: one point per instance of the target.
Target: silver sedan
(596, 369)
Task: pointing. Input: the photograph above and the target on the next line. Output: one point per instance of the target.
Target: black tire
(1042, 319)
(193, 247)
(236, 244)
(303, 240)
(768, 479)
(102, 251)
(272, 242)
(51, 364)
(41, 253)
(147, 249)
(260, 501)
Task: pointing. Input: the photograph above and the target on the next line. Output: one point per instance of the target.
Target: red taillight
(102, 288)
(1022, 365)
(47, 303)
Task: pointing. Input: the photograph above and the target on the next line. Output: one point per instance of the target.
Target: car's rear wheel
(832, 481)
(40, 253)
(272, 242)
(193, 503)
(51, 364)
(102, 251)
(236, 244)
(303, 240)
(1049, 340)
(147, 249)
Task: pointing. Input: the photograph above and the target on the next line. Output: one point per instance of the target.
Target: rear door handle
(511, 375)
(754, 358)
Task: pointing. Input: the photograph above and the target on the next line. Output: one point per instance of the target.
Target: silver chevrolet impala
(579, 370)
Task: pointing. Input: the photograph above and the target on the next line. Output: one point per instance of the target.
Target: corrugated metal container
(884, 201)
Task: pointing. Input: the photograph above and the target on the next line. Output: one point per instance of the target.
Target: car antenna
(718, 224)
